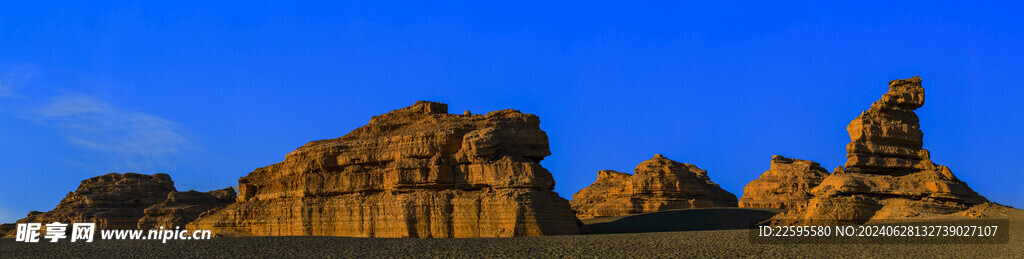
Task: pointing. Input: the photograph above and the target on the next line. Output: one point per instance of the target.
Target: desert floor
(681, 240)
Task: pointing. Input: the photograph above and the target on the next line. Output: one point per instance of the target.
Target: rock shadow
(680, 220)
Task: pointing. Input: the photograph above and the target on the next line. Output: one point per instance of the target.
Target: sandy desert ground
(681, 240)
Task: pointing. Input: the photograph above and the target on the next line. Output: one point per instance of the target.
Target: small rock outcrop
(888, 175)
(414, 172)
(657, 184)
(112, 201)
(786, 185)
(181, 208)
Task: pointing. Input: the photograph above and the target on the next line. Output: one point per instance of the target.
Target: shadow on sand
(680, 220)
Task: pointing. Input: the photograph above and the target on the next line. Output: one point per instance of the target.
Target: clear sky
(207, 92)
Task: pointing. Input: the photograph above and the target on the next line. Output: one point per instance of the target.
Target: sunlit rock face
(657, 184)
(414, 172)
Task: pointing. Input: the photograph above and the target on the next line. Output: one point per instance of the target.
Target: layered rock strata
(888, 174)
(657, 184)
(112, 201)
(181, 208)
(413, 172)
(786, 185)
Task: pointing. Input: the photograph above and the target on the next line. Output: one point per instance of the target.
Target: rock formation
(7, 230)
(657, 184)
(130, 201)
(413, 172)
(786, 185)
(181, 208)
(112, 201)
(888, 174)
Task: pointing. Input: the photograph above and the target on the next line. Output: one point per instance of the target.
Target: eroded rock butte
(130, 201)
(657, 184)
(786, 185)
(413, 172)
(112, 201)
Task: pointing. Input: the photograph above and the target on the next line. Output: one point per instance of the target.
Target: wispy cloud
(93, 124)
(6, 90)
(13, 78)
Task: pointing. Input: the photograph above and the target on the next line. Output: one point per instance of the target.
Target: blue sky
(207, 92)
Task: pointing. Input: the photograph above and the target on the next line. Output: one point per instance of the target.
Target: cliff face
(413, 172)
(657, 184)
(180, 208)
(786, 185)
(112, 201)
(888, 174)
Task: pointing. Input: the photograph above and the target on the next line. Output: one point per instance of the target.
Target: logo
(29, 232)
